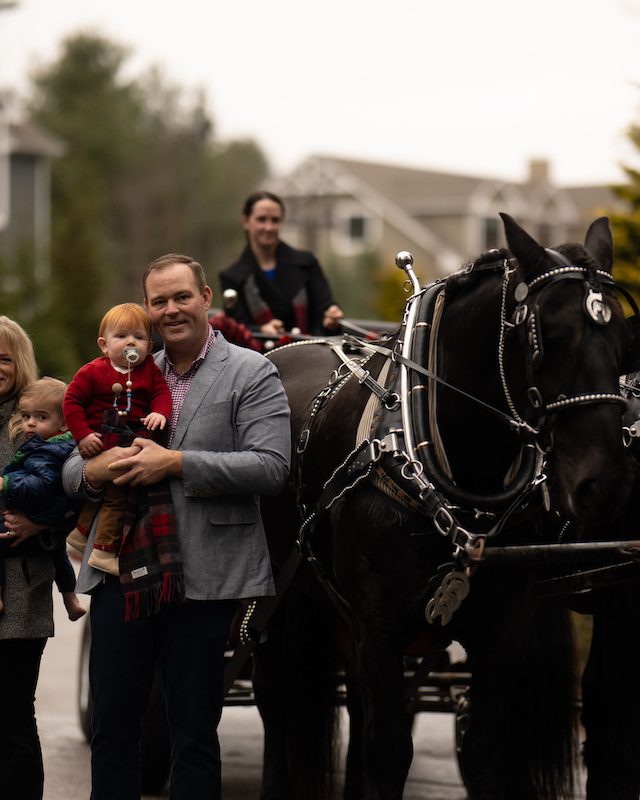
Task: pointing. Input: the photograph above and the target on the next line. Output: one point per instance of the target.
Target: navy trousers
(21, 773)
(189, 642)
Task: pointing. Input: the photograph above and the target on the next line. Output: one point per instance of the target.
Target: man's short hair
(168, 261)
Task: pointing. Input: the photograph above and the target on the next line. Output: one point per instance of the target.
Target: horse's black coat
(520, 742)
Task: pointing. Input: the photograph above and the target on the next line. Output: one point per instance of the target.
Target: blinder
(631, 420)
(631, 359)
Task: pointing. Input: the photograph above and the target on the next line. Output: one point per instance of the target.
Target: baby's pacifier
(131, 354)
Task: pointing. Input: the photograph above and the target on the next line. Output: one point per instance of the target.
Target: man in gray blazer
(229, 443)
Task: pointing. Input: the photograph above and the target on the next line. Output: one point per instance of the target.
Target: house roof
(404, 185)
(593, 200)
(27, 138)
(418, 202)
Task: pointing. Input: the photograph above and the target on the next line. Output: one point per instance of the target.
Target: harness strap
(407, 362)
(366, 421)
(364, 376)
(256, 619)
(321, 399)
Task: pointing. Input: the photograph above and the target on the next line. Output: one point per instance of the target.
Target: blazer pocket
(234, 515)
(214, 408)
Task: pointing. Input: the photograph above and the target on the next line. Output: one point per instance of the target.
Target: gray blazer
(234, 433)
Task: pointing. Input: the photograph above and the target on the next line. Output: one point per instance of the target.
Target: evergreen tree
(626, 227)
(142, 175)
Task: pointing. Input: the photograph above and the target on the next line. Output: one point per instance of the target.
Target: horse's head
(567, 337)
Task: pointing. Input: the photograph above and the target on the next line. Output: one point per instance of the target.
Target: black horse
(504, 378)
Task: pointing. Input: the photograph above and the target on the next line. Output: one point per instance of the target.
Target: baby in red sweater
(124, 383)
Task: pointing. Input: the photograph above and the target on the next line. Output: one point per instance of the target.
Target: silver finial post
(230, 298)
(404, 260)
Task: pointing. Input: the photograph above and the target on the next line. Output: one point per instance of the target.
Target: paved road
(434, 774)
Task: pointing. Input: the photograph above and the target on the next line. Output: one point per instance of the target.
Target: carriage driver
(229, 442)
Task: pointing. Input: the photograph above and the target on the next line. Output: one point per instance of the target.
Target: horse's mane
(577, 254)
(470, 275)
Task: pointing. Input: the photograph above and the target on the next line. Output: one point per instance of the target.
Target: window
(544, 234)
(491, 233)
(356, 228)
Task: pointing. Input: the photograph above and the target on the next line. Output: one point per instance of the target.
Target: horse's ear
(530, 255)
(599, 243)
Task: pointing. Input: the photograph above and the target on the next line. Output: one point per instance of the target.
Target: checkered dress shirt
(179, 384)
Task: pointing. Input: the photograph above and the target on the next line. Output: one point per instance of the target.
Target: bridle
(526, 320)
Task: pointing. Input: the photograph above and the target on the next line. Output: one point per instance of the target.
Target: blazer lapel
(203, 380)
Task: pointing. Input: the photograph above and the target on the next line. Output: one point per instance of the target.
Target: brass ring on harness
(392, 402)
(415, 468)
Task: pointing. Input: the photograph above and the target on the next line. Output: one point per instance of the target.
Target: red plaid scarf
(150, 565)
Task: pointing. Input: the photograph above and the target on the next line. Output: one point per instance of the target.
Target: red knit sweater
(90, 394)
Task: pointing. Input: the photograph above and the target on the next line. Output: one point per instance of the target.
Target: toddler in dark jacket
(32, 482)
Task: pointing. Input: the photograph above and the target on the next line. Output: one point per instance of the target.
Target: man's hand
(148, 464)
(90, 445)
(98, 469)
(20, 528)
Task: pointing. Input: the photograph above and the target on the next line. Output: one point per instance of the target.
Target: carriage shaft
(560, 553)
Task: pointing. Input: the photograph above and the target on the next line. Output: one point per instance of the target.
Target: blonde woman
(27, 619)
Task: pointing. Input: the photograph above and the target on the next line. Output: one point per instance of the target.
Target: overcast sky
(454, 85)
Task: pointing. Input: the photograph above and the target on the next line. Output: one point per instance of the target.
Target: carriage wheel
(85, 702)
(462, 710)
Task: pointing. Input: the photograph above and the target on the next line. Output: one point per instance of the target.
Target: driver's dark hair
(256, 197)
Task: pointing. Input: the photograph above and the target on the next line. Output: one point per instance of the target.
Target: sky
(462, 86)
